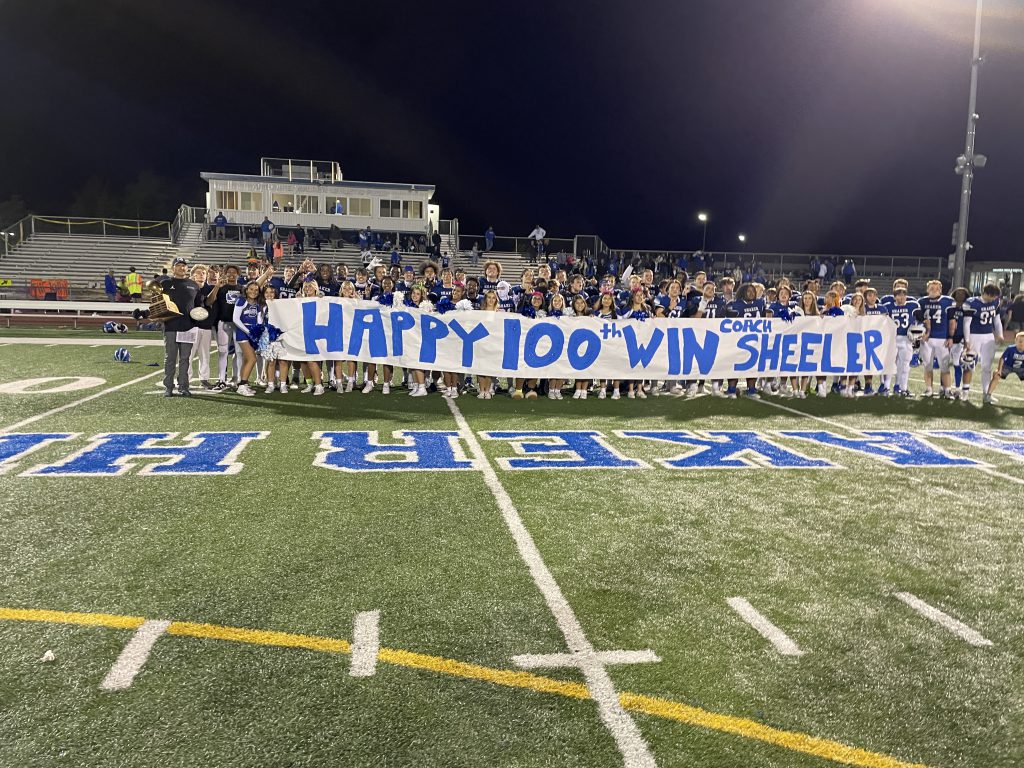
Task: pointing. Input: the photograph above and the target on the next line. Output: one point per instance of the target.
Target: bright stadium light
(702, 217)
(742, 238)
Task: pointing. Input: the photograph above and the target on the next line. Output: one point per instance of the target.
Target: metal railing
(14, 235)
(102, 227)
(521, 245)
(187, 214)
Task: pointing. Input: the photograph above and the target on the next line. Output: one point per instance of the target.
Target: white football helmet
(916, 332)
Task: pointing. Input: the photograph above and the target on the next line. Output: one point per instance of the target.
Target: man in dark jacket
(178, 334)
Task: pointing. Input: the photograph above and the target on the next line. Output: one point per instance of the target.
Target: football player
(904, 313)
(1012, 362)
(981, 329)
(955, 315)
(934, 349)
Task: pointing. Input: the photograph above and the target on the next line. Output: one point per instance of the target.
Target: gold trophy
(161, 306)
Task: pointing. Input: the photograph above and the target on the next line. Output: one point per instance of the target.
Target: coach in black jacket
(182, 291)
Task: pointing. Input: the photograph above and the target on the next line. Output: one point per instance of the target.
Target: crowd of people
(953, 334)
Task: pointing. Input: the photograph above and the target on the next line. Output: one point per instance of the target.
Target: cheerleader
(386, 298)
(416, 298)
(580, 308)
(533, 308)
(556, 309)
(271, 349)
(605, 310)
(311, 368)
(490, 303)
(638, 310)
(249, 318)
(345, 370)
(782, 308)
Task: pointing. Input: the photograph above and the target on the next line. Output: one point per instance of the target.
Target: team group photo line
(435, 329)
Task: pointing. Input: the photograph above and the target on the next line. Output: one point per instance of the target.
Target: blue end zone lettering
(1014, 449)
(727, 450)
(15, 445)
(583, 449)
(902, 449)
(413, 451)
(117, 453)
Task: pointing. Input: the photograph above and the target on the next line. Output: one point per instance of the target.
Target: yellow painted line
(63, 617)
(648, 705)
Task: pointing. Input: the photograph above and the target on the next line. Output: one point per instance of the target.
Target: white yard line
(623, 728)
(779, 639)
(958, 628)
(996, 473)
(114, 341)
(73, 403)
(551, 660)
(133, 656)
(365, 644)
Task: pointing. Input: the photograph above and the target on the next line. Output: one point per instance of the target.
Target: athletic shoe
(245, 390)
(350, 384)
(419, 390)
(531, 395)
(220, 386)
(615, 394)
(602, 393)
(482, 396)
(206, 384)
(965, 394)
(691, 391)
(185, 393)
(552, 395)
(168, 393)
(576, 394)
(753, 395)
(641, 394)
(716, 389)
(822, 392)
(989, 400)
(271, 389)
(631, 394)
(677, 389)
(584, 395)
(868, 391)
(318, 389)
(517, 394)
(927, 393)
(368, 387)
(283, 387)
(385, 389)
(307, 389)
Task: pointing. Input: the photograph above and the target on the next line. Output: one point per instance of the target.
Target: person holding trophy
(172, 300)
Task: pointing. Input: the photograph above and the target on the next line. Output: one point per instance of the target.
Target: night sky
(810, 125)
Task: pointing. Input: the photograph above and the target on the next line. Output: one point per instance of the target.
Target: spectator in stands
(134, 281)
(290, 243)
(537, 235)
(220, 223)
(339, 209)
(364, 239)
(435, 240)
(849, 272)
(110, 285)
(277, 256)
(489, 239)
(474, 253)
(300, 240)
(267, 229)
(253, 233)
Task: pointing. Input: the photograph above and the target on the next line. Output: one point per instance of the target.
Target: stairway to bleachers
(83, 260)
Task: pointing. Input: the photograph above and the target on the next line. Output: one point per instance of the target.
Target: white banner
(503, 344)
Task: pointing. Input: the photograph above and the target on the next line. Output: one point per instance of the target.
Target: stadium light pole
(703, 219)
(968, 161)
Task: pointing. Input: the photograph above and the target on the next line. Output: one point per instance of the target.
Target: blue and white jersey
(441, 291)
(935, 315)
(386, 299)
(887, 300)
(834, 312)
(781, 311)
(741, 308)
(956, 315)
(716, 308)
(875, 309)
(1013, 359)
(487, 285)
(606, 315)
(249, 320)
(679, 310)
(509, 303)
(903, 315)
(985, 312)
(635, 314)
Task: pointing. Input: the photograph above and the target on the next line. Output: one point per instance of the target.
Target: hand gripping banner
(502, 344)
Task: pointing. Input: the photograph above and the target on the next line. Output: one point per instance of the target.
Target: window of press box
(307, 204)
(337, 206)
(251, 201)
(280, 203)
(227, 200)
(360, 206)
(390, 209)
(412, 209)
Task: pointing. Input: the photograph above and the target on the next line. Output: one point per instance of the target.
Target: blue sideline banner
(502, 344)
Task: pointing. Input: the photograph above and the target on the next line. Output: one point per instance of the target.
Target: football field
(370, 580)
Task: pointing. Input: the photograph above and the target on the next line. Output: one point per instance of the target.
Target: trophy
(161, 306)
